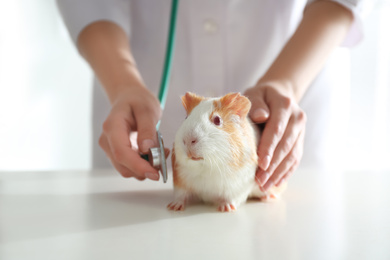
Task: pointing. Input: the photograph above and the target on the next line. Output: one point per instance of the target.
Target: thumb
(259, 112)
(146, 127)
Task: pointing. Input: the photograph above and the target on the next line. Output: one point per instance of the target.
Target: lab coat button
(210, 26)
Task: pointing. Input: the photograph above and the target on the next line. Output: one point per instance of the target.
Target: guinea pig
(214, 156)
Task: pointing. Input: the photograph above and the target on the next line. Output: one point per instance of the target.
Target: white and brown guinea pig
(214, 158)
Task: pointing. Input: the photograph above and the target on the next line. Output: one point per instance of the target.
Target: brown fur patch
(177, 180)
(190, 100)
(228, 106)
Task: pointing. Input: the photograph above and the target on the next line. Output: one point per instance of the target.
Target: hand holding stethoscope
(137, 111)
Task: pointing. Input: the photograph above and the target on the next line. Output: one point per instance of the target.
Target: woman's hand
(274, 98)
(281, 143)
(135, 111)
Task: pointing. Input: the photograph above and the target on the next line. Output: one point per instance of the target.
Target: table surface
(100, 215)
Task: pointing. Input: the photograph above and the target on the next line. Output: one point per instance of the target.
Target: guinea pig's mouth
(196, 158)
(193, 157)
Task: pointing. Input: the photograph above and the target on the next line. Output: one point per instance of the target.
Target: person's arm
(276, 95)
(105, 46)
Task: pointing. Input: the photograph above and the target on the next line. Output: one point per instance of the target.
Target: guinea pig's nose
(190, 141)
(194, 141)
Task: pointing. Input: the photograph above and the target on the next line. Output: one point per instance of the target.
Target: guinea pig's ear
(239, 104)
(190, 100)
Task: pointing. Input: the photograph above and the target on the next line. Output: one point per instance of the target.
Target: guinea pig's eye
(217, 120)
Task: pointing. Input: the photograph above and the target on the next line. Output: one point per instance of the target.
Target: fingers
(274, 129)
(103, 142)
(147, 118)
(287, 175)
(130, 125)
(293, 130)
(287, 166)
(116, 143)
(259, 112)
(282, 137)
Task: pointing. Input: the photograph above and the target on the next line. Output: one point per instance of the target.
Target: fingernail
(261, 188)
(280, 182)
(152, 176)
(260, 114)
(146, 145)
(268, 185)
(257, 180)
(265, 162)
(264, 178)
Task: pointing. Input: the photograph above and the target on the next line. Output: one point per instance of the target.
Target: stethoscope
(156, 155)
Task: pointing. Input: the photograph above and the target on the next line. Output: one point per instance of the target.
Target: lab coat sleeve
(355, 33)
(77, 14)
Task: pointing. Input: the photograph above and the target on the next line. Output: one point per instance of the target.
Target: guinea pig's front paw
(226, 207)
(176, 205)
(268, 197)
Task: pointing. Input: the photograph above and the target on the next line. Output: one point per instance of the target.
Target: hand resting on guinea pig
(214, 158)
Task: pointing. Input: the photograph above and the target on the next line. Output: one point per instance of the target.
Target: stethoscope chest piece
(156, 157)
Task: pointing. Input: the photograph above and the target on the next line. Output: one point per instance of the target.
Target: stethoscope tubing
(166, 73)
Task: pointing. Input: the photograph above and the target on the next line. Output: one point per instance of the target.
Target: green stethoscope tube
(163, 93)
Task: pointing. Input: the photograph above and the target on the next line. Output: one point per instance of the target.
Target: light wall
(44, 91)
(369, 122)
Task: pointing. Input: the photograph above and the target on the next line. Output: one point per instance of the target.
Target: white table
(100, 215)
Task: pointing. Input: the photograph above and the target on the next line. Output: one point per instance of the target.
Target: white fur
(213, 179)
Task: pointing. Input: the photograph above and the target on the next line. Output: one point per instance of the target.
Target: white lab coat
(221, 46)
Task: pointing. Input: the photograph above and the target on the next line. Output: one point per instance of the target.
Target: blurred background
(45, 92)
